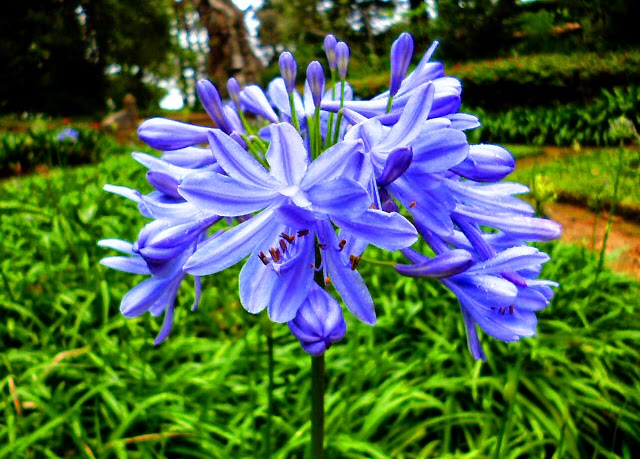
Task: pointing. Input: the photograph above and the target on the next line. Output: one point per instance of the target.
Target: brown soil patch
(578, 223)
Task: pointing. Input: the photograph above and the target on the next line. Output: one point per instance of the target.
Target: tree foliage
(56, 52)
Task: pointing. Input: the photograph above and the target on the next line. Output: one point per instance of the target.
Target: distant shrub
(562, 125)
(39, 146)
(534, 80)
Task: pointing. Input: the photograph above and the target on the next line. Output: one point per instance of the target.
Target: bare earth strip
(578, 225)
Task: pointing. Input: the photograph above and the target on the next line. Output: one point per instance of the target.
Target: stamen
(413, 204)
(322, 245)
(374, 207)
(288, 237)
(303, 233)
(313, 266)
(275, 254)
(342, 244)
(283, 246)
(355, 261)
(511, 309)
(263, 258)
(327, 280)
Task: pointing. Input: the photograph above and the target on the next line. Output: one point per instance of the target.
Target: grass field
(79, 380)
(589, 177)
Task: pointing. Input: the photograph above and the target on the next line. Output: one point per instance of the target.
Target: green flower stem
(294, 115)
(389, 104)
(271, 387)
(327, 140)
(317, 148)
(245, 124)
(317, 382)
(336, 135)
(317, 407)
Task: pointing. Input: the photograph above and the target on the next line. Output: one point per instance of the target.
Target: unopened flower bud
(212, 103)
(342, 58)
(330, 43)
(401, 53)
(234, 92)
(315, 78)
(288, 69)
(319, 322)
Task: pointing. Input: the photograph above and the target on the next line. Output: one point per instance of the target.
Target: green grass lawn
(79, 380)
(589, 177)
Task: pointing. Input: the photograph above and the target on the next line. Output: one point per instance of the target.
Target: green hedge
(529, 80)
(562, 125)
(23, 152)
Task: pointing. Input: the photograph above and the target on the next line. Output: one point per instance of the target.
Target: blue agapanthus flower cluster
(302, 190)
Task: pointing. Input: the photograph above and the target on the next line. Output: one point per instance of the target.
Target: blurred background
(556, 81)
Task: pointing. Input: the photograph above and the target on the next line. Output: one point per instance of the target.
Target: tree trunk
(230, 54)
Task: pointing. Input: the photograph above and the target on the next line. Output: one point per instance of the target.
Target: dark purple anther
(315, 78)
(288, 69)
(342, 58)
(212, 103)
(330, 43)
(234, 92)
(401, 53)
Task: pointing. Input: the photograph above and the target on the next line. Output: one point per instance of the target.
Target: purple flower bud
(163, 134)
(330, 43)
(212, 103)
(342, 58)
(315, 78)
(234, 92)
(288, 69)
(397, 163)
(486, 163)
(165, 183)
(319, 322)
(401, 53)
(444, 265)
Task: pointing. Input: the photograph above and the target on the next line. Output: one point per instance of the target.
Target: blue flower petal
(237, 162)
(410, 123)
(342, 197)
(389, 231)
(139, 299)
(133, 265)
(282, 286)
(287, 155)
(444, 265)
(223, 195)
(348, 282)
(228, 248)
(256, 102)
(331, 164)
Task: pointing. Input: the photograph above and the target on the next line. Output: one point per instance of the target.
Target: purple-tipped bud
(486, 163)
(330, 43)
(288, 69)
(342, 58)
(315, 78)
(319, 322)
(444, 265)
(163, 134)
(212, 103)
(398, 162)
(234, 92)
(401, 53)
(165, 183)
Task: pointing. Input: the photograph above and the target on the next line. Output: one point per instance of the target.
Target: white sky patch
(173, 100)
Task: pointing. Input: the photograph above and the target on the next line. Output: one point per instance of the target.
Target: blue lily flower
(156, 294)
(297, 201)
